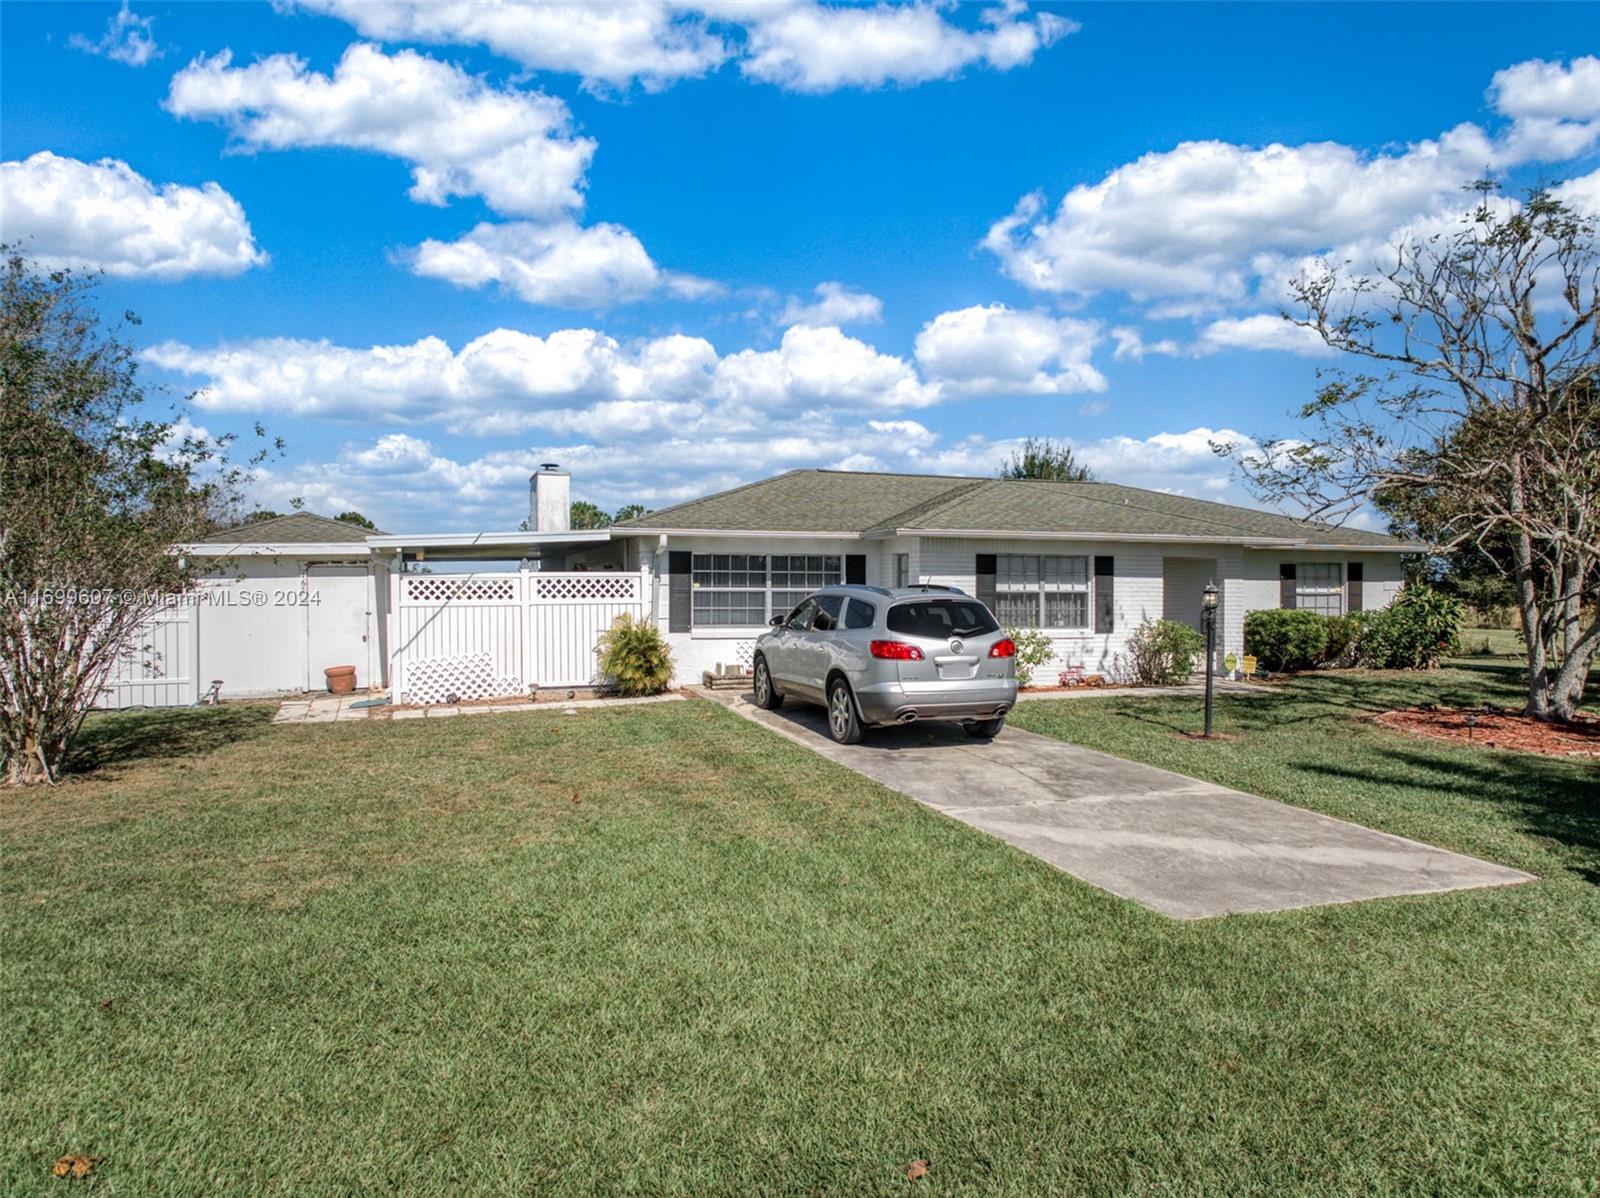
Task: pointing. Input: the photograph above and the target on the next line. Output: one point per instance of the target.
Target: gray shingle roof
(298, 528)
(856, 501)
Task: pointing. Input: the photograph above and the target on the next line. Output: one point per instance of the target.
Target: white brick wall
(1248, 579)
(1137, 570)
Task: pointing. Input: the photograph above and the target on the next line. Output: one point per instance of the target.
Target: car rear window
(941, 618)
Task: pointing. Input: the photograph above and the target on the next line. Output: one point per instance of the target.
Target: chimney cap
(550, 466)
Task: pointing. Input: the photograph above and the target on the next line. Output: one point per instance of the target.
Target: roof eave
(475, 540)
(820, 534)
(275, 549)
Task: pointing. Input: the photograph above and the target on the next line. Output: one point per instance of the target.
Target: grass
(658, 950)
(1492, 642)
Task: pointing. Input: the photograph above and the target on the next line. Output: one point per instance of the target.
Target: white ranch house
(426, 615)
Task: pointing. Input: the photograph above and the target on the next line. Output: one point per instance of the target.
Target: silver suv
(877, 656)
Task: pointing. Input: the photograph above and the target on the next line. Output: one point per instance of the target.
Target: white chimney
(550, 499)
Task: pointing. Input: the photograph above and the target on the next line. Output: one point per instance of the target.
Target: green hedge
(1412, 633)
(1286, 639)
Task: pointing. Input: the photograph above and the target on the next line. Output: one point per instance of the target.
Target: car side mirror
(776, 621)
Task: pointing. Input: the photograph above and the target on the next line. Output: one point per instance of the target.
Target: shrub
(1286, 639)
(1162, 653)
(1033, 650)
(635, 657)
(1344, 638)
(1412, 633)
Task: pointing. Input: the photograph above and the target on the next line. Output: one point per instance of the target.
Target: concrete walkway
(1179, 846)
(338, 709)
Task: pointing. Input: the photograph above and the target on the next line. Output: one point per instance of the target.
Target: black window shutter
(1105, 594)
(680, 603)
(855, 568)
(1353, 574)
(1286, 585)
(984, 582)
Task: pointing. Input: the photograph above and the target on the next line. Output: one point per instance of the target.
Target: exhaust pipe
(906, 717)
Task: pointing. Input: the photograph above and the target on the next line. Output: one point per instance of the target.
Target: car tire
(767, 696)
(984, 729)
(844, 722)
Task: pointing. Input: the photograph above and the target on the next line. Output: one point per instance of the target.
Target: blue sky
(432, 246)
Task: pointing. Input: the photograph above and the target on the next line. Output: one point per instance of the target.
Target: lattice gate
(478, 636)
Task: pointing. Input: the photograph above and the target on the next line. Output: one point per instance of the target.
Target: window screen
(730, 589)
(1319, 587)
(739, 590)
(1042, 591)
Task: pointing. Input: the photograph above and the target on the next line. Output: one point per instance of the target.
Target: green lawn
(658, 950)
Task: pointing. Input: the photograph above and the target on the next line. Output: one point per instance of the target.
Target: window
(794, 577)
(941, 618)
(1319, 587)
(800, 619)
(902, 569)
(827, 617)
(741, 590)
(860, 614)
(730, 589)
(1034, 591)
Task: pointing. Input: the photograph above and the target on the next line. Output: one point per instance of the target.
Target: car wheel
(844, 725)
(985, 728)
(767, 696)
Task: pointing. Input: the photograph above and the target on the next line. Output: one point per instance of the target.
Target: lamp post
(1208, 621)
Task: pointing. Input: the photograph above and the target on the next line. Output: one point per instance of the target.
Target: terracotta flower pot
(341, 679)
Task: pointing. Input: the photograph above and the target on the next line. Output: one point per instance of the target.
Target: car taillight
(1005, 647)
(896, 651)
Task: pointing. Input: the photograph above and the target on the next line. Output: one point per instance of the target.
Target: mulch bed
(1495, 729)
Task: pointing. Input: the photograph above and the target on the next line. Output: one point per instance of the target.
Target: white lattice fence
(479, 636)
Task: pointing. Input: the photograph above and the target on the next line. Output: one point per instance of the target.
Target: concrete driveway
(1185, 848)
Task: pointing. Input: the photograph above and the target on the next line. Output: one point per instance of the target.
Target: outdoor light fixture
(1208, 621)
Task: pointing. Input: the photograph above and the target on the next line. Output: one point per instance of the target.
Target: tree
(630, 511)
(357, 519)
(1043, 458)
(92, 498)
(1480, 423)
(588, 515)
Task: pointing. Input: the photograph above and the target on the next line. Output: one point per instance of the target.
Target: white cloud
(1555, 107)
(1210, 220)
(1549, 90)
(821, 366)
(1582, 193)
(1260, 331)
(821, 48)
(461, 136)
(1132, 345)
(994, 350)
(406, 483)
(560, 263)
(792, 43)
(573, 380)
(105, 215)
(835, 304)
(609, 45)
(128, 39)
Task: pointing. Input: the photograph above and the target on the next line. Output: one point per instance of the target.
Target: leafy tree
(92, 498)
(588, 515)
(355, 518)
(1479, 423)
(630, 511)
(1044, 458)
